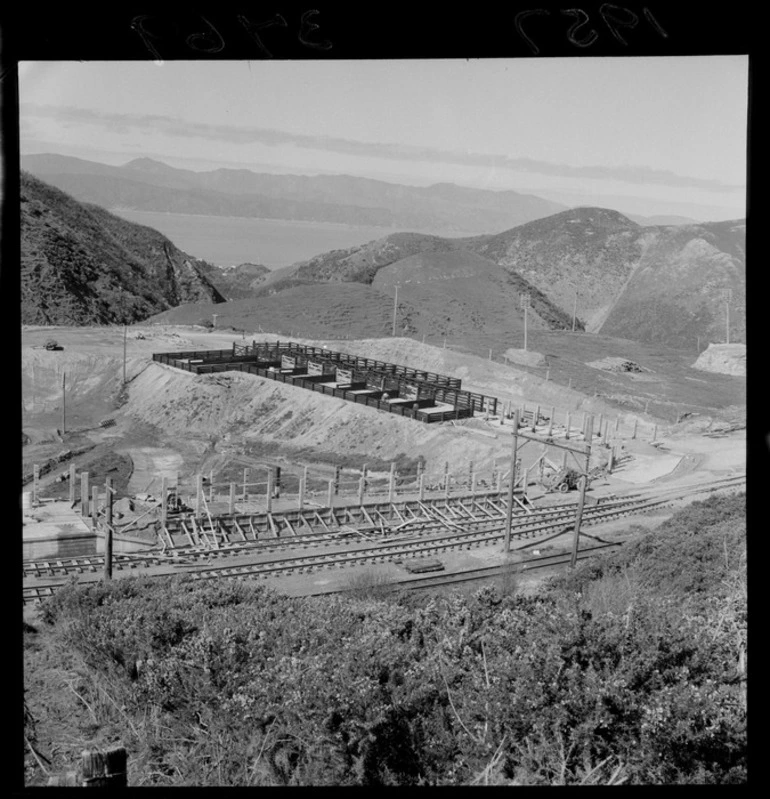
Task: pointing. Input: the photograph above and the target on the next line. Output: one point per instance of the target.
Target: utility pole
(395, 311)
(589, 429)
(125, 335)
(63, 403)
(108, 530)
(574, 312)
(727, 295)
(509, 509)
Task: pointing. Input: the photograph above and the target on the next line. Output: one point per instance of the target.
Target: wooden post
(361, 484)
(617, 424)
(302, 487)
(470, 475)
(611, 461)
(392, 483)
(269, 490)
(163, 501)
(564, 459)
(551, 420)
(536, 418)
(211, 485)
(599, 426)
(422, 486)
(63, 404)
(73, 479)
(198, 493)
(336, 480)
(499, 482)
(245, 483)
(582, 497)
(509, 509)
(108, 529)
(94, 508)
(84, 494)
(35, 484)
(569, 420)
(125, 336)
(636, 422)
(105, 769)
(331, 494)
(231, 508)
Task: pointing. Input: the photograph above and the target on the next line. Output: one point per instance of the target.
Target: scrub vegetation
(630, 669)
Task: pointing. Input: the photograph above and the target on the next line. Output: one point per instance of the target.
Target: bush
(227, 683)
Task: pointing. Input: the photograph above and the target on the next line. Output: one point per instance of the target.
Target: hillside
(322, 310)
(458, 293)
(442, 293)
(659, 284)
(82, 265)
(589, 249)
(145, 184)
(675, 294)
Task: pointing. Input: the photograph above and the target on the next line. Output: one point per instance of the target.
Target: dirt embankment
(226, 408)
(726, 359)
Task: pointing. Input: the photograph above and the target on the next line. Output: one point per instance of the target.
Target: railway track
(440, 580)
(427, 537)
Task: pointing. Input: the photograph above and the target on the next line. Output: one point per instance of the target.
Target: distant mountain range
(82, 265)
(148, 185)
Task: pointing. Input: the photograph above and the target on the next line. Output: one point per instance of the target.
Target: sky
(648, 135)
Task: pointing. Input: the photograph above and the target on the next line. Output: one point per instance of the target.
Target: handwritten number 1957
(211, 41)
(614, 17)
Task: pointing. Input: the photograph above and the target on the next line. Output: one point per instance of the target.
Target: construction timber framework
(414, 393)
(575, 449)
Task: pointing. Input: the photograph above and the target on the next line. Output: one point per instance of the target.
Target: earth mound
(524, 357)
(726, 359)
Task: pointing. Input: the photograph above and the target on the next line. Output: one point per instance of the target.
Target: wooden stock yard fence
(414, 393)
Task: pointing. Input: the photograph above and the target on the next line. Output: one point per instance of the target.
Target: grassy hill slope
(324, 310)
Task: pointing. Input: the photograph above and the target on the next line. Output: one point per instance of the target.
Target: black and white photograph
(384, 420)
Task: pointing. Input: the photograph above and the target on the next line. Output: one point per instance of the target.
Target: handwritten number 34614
(615, 18)
(211, 41)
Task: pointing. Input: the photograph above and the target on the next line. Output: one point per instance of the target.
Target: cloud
(230, 134)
